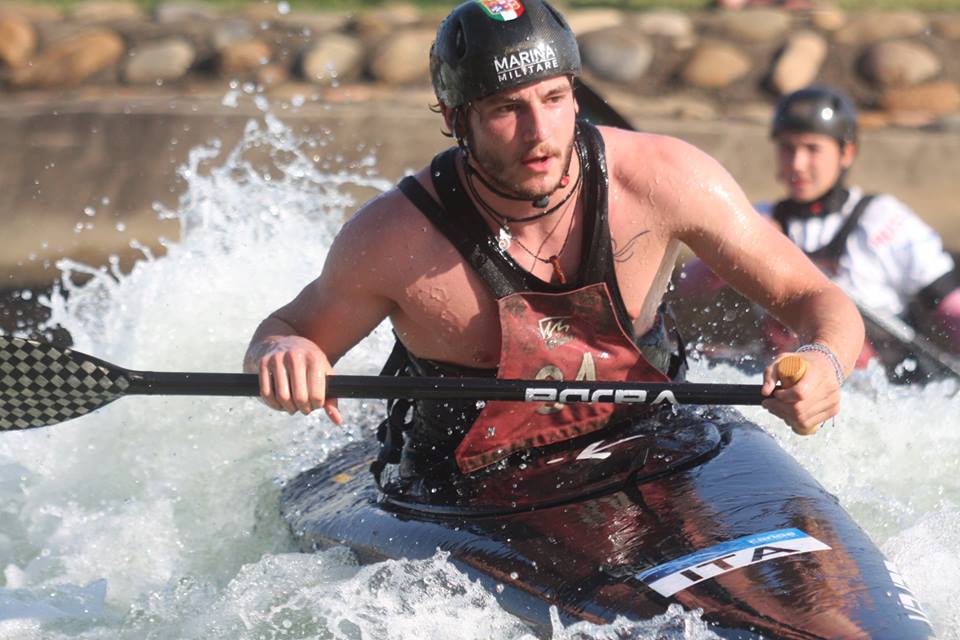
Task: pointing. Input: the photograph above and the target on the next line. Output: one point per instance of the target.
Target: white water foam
(157, 516)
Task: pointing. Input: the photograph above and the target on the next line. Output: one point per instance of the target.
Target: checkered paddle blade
(42, 385)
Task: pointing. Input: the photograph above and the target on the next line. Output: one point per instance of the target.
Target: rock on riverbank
(900, 67)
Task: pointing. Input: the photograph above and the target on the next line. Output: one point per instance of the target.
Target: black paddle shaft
(41, 384)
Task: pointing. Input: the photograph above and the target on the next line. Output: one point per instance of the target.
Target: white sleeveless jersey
(890, 256)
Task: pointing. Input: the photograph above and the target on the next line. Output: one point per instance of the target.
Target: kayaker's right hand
(293, 374)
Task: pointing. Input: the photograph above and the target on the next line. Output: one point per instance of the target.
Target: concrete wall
(120, 156)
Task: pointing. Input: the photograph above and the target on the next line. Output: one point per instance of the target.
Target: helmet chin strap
(542, 201)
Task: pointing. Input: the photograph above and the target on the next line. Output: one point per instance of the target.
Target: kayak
(690, 506)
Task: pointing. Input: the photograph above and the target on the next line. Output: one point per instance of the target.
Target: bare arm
(700, 204)
(296, 346)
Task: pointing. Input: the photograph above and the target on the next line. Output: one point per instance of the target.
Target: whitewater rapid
(157, 517)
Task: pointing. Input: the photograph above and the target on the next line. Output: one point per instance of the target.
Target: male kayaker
(538, 246)
(873, 246)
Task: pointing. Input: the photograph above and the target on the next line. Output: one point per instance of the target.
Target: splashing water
(158, 517)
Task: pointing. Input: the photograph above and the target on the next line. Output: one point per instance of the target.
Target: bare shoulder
(632, 154)
(680, 180)
(656, 144)
(387, 224)
(386, 217)
(384, 242)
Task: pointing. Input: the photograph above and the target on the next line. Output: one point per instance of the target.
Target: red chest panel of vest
(558, 336)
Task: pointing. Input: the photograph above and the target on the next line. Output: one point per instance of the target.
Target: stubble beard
(495, 169)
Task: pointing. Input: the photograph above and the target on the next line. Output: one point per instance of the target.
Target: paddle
(41, 385)
(931, 356)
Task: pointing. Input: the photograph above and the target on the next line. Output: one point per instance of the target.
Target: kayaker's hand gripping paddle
(41, 384)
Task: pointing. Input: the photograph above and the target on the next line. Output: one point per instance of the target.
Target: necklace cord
(502, 220)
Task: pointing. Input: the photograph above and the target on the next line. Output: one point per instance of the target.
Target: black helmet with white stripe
(486, 46)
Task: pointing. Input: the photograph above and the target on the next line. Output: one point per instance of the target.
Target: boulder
(828, 17)
(618, 54)
(174, 12)
(335, 57)
(96, 11)
(799, 63)
(244, 57)
(665, 23)
(376, 24)
(756, 25)
(403, 57)
(159, 61)
(70, 61)
(932, 97)
(31, 12)
(714, 65)
(265, 12)
(315, 22)
(18, 39)
(584, 21)
(231, 31)
(138, 33)
(947, 26)
(872, 27)
(899, 63)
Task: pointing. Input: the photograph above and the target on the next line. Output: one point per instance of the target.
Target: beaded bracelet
(825, 350)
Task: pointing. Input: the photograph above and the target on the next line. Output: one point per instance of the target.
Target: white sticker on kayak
(677, 575)
(905, 597)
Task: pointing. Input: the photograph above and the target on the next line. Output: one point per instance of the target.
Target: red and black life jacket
(578, 329)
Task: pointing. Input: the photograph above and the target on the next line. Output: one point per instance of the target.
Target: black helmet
(485, 46)
(816, 110)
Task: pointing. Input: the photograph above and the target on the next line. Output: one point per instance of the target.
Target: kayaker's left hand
(810, 402)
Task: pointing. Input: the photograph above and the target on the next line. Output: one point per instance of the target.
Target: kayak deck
(704, 510)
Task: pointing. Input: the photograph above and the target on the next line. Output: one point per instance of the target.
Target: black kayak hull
(709, 513)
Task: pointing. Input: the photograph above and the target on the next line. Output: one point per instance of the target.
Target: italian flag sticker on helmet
(503, 10)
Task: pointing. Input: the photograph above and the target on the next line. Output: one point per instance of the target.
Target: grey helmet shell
(486, 46)
(816, 109)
